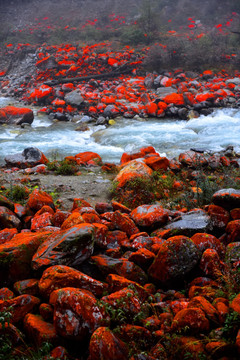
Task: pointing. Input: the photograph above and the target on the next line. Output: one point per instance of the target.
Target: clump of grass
(18, 193)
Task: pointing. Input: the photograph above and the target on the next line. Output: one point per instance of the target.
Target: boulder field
(70, 82)
(110, 281)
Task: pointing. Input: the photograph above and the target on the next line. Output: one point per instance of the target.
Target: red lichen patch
(59, 276)
(105, 345)
(157, 162)
(38, 199)
(126, 157)
(202, 303)
(176, 257)
(124, 223)
(142, 257)
(59, 217)
(86, 158)
(122, 267)
(192, 318)
(41, 221)
(124, 299)
(11, 113)
(205, 241)
(29, 286)
(117, 283)
(7, 234)
(118, 206)
(91, 218)
(174, 98)
(19, 306)
(149, 216)
(76, 313)
(38, 330)
(6, 294)
(204, 97)
(73, 219)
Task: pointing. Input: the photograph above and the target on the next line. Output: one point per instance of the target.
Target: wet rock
(105, 345)
(108, 265)
(59, 276)
(227, 198)
(76, 313)
(8, 219)
(74, 98)
(176, 257)
(67, 247)
(192, 318)
(28, 158)
(190, 223)
(151, 216)
(16, 116)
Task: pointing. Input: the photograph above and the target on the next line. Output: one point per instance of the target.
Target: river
(169, 136)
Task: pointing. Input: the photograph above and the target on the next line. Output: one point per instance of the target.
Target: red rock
(235, 304)
(29, 286)
(122, 267)
(8, 219)
(91, 218)
(204, 97)
(117, 283)
(149, 216)
(202, 303)
(205, 241)
(59, 217)
(151, 108)
(85, 157)
(142, 257)
(38, 199)
(39, 331)
(66, 247)
(225, 161)
(59, 276)
(134, 334)
(116, 238)
(142, 242)
(193, 318)
(124, 299)
(233, 231)
(132, 170)
(101, 208)
(7, 234)
(157, 162)
(78, 203)
(45, 209)
(73, 219)
(176, 257)
(100, 236)
(117, 206)
(46, 311)
(6, 294)
(174, 98)
(59, 353)
(41, 221)
(219, 217)
(235, 214)
(15, 115)
(19, 306)
(126, 157)
(211, 263)
(76, 313)
(177, 305)
(105, 345)
(16, 255)
(222, 307)
(124, 223)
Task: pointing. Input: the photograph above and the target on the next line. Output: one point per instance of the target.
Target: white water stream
(169, 137)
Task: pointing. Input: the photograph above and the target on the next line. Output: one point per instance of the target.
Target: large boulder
(28, 158)
(176, 257)
(67, 247)
(16, 116)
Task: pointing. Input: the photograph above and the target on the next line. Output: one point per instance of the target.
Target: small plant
(18, 193)
(66, 168)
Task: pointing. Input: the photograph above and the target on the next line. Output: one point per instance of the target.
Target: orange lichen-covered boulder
(28, 286)
(137, 154)
(176, 257)
(66, 247)
(205, 241)
(73, 219)
(124, 223)
(211, 264)
(104, 344)
(202, 303)
(233, 231)
(16, 255)
(157, 162)
(117, 283)
(76, 313)
(15, 115)
(19, 306)
(192, 318)
(123, 267)
(88, 158)
(227, 198)
(38, 330)
(8, 219)
(174, 98)
(41, 221)
(39, 198)
(59, 276)
(149, 216)
(131, 171)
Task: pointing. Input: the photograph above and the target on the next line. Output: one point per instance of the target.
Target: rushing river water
(169, 137)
